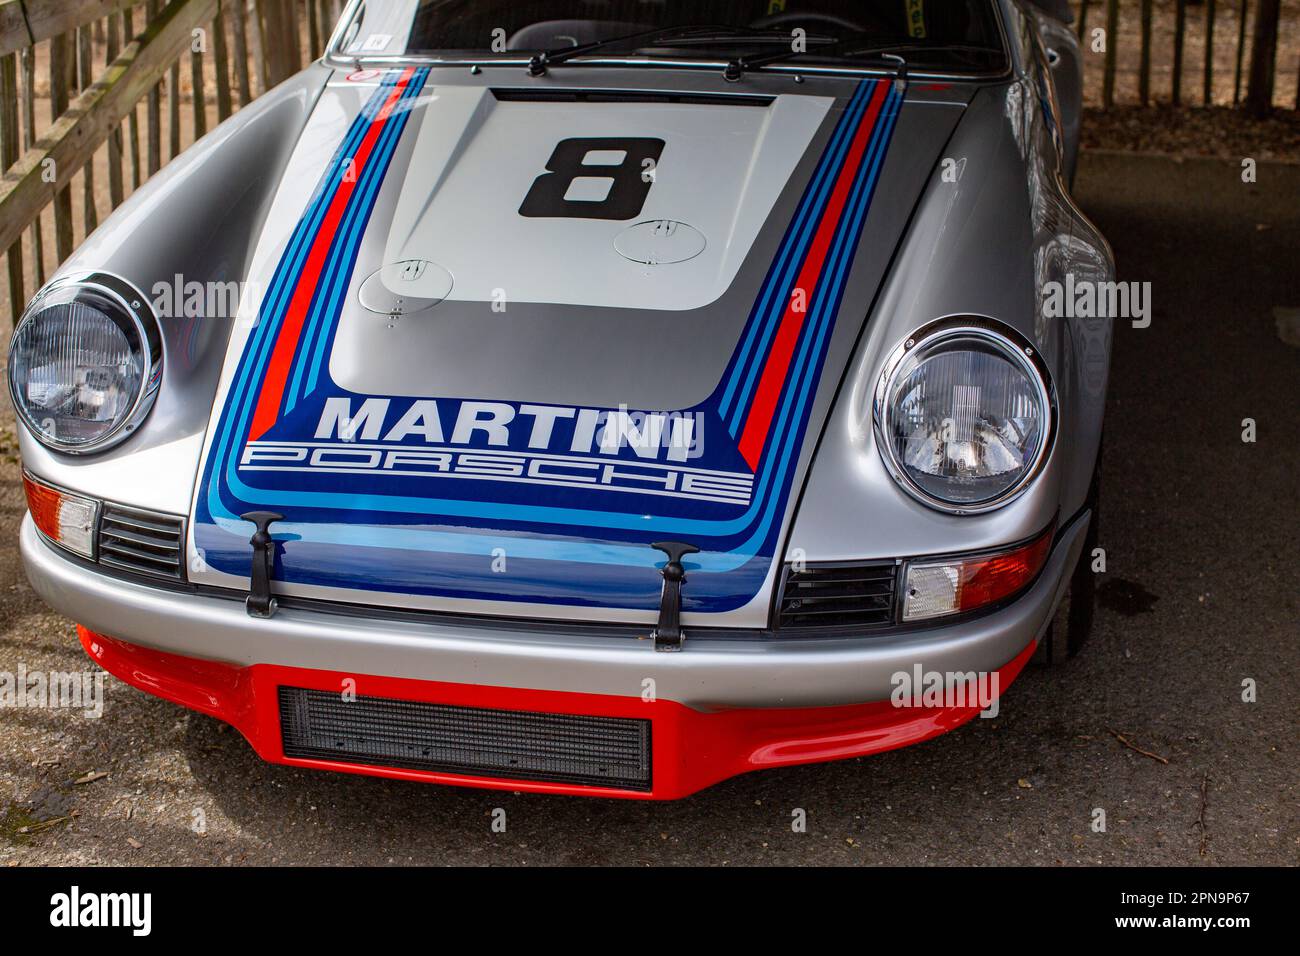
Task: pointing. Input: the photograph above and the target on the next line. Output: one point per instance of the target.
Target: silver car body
(515, 333)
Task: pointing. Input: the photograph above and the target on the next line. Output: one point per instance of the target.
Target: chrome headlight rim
(1017, 349)
(131, 310)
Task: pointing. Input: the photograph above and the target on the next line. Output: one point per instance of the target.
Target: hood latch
(260, 602)
(669, 635)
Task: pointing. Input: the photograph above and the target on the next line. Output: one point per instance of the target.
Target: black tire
(1072, 624)
(1082, 597)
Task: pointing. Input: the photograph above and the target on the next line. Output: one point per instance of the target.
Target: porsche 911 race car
(598, 398)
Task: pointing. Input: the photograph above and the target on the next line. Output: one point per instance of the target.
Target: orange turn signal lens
(66, 519)
(937, 588)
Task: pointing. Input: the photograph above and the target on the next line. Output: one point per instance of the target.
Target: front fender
(196, 221)
(985, 244)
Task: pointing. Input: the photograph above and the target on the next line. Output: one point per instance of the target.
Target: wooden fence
(105, 91)
(108, 90)
(1242, 52)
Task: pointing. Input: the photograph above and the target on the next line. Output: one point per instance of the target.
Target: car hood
(499, 341)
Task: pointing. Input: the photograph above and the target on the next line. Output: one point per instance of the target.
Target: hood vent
(628, 96)
(142, 542)
(838, 595)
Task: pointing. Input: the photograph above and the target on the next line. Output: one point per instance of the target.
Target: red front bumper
(692, 749)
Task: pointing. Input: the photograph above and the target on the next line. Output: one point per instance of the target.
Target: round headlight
(964, 415)
(85, 364)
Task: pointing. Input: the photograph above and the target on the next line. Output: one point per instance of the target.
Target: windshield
(953, 35)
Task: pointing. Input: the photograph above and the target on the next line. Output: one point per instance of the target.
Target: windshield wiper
(889, 51)
(717, 33)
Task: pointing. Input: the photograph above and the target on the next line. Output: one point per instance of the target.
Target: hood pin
(668, 634)
(260, 602)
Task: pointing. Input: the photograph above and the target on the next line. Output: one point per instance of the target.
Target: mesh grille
(519, 745)
(143, 542)
(859, 595)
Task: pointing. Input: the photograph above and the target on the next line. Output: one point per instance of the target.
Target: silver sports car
(602, 397)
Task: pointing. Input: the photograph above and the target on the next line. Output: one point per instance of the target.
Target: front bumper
(720, 707)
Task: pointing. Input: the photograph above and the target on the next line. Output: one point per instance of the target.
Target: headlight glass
(963, 417)
(82, 365)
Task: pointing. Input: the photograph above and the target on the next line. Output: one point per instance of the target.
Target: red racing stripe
(759, 420)
(277, 371)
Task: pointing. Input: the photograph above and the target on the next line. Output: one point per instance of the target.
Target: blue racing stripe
(356, 132)
(794, 243)
(777, 307)
(317, 324)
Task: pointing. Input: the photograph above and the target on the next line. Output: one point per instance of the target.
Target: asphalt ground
(1200, 594)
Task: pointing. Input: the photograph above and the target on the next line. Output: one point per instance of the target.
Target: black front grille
(143, 542)
(838, 595)
(516, 745)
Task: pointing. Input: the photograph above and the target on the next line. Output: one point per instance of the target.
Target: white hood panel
(476, 157)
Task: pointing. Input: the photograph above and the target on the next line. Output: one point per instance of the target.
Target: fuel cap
(405, 287)
(660, 242)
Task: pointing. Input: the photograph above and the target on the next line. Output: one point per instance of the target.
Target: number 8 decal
(594, 179)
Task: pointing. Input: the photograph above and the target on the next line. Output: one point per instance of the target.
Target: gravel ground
(1218, 131)
(1200, 594)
